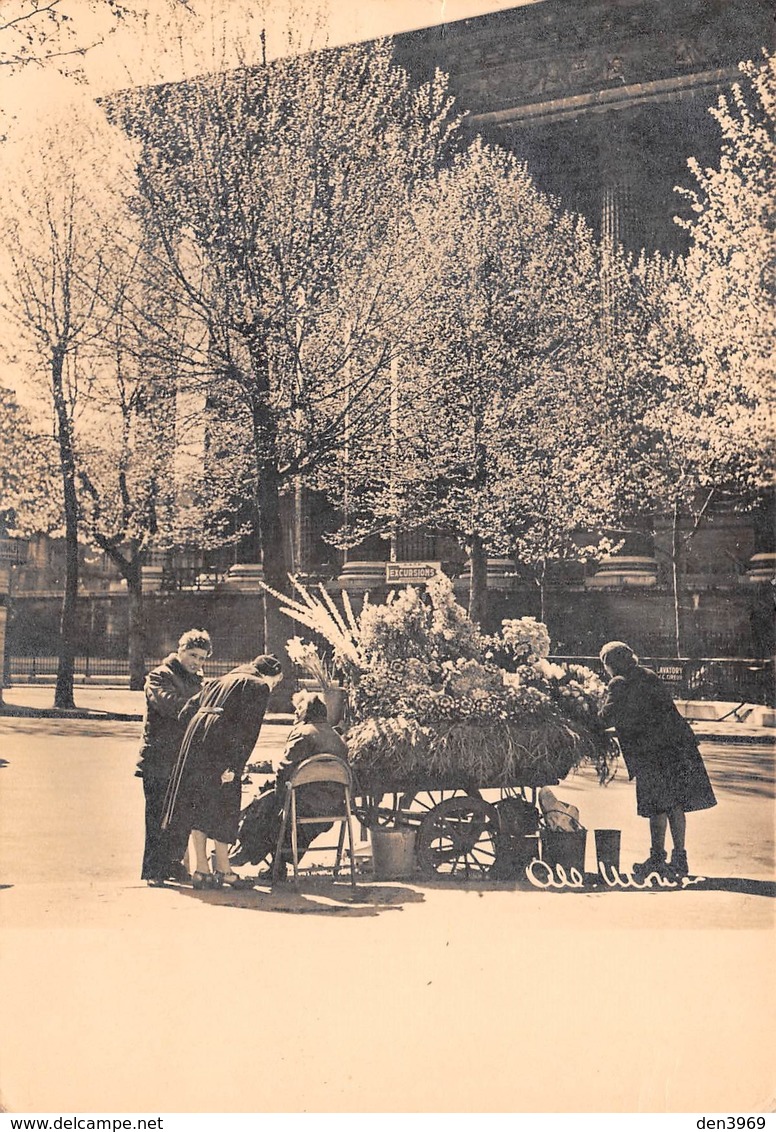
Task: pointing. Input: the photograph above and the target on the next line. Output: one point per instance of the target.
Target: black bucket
(607, 848)
(393, 853)
(565, 848)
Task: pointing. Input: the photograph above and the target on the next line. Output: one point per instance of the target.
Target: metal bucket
(607, 848)
(336, 699)
(560, 847)
(393, 853)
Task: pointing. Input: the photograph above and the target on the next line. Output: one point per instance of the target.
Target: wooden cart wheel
(422, 802)
(377, 809)
(458, 839)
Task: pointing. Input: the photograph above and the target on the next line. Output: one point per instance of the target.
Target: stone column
(622, 571)
(615, 215)
(300, 537)
(245, 577)
(362, 576)
(502, 574)
(761, 569)
(151, 578)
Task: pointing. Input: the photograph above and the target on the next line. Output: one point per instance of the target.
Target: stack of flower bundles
(434, 702)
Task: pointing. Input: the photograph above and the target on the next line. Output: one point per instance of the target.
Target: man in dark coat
(167, 689)
(203, 798)
(660, 752)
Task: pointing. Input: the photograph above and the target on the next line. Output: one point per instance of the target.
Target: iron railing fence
(705, 678)
(709, 678)
(44, 668)
(180, 579)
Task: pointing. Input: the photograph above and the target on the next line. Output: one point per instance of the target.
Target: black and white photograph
(387, 561)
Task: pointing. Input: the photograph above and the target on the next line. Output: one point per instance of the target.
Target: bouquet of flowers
(308, 658)
(526, 638)
(429, 627)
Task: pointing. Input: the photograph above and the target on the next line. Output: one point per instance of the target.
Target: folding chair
(318, 768)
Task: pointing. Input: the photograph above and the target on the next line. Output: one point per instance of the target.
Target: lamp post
(394, 426)
(297, 534)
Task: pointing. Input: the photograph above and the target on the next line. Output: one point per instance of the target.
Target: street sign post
(411, 573)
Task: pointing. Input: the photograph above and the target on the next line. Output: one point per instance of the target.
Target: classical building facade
(604, 99)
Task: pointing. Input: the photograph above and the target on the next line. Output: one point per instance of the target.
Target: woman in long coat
(203, 797)
(660, 752)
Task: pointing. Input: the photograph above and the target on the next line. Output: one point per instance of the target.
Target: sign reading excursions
(410, 573)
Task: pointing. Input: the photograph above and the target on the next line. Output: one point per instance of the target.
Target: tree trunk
(267, 495)
(273, 555)
(63, 694)
(268, 484)
(478, 582)
(137, 671)
(277, 630)
(675, 550)
(5, 668)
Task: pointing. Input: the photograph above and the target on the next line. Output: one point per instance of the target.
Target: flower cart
(464, 821)
(451, 733)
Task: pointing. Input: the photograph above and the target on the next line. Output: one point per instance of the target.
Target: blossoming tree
(511, 303)
(274, 195)
(62, 207)
(714, 345)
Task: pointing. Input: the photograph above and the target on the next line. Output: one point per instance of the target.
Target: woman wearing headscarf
(660, 752)
(203, 797)
(311, 734)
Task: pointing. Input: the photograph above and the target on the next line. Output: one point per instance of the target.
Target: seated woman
(311, 734)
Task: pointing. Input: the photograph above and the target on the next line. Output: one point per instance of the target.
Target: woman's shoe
(655, 863)
(232, 880)
(203, 880)
(677, 866)
(155, 882)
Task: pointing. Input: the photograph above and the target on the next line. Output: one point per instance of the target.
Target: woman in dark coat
(224, 722)
(311, 734)
(660, 752)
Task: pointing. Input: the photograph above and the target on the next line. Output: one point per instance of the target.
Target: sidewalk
(98, 702)
(749, 724)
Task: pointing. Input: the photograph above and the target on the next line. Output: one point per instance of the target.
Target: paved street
(418, 997)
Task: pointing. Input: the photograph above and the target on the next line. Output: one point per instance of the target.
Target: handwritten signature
(542, 875)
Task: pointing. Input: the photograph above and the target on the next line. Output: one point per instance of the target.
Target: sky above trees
(153, 41)
(136, 41)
